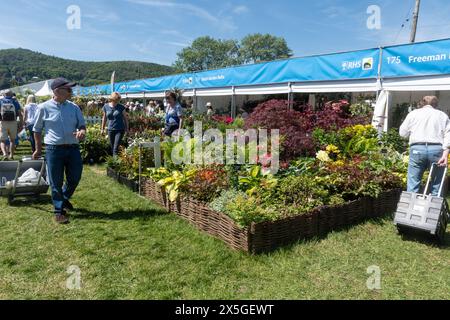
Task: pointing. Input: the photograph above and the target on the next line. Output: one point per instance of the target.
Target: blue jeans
(115, 139)
(62, 160)
(421, 158)
(170, 128)
(31, 133)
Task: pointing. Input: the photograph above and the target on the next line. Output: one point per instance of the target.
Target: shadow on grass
(38, 203)
(290, 244)
(378, 221)
(411, 235)
(86, 214)
(33, 202)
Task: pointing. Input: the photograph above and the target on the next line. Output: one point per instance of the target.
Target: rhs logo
(368, 64)
(365, 64)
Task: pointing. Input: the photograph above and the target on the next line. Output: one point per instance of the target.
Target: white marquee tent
(45, 90)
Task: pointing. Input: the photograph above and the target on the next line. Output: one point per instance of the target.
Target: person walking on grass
(10, 110)
(29, 118)
(64, 127)
(428, 130)
(115, 114)
(174, 114)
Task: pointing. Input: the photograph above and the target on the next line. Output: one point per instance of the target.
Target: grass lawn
(127, 248)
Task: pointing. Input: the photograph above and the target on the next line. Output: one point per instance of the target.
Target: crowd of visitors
(115, 118)
(60, 123)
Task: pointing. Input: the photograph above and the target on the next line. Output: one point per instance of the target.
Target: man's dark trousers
(63, 160)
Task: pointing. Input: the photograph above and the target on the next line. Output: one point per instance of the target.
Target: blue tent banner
(351, 65)
(420, 59)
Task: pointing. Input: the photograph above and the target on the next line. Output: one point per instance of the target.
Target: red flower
(284, 165)
(223, 119)
(296, 127)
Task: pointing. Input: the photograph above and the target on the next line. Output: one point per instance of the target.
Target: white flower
(323, 156)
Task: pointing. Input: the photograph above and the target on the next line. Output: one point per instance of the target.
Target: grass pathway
(127, 248)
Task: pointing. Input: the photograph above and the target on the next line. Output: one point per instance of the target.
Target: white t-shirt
(426, 125)
(31, 110)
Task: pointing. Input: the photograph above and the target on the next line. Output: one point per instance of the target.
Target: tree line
(21, 66)
(209, 53)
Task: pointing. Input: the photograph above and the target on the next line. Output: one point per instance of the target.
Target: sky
(155, 30)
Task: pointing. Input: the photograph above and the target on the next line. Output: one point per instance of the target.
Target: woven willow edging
(268, 236)
(130, 184)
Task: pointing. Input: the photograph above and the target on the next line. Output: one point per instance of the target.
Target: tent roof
(45, 90)
(356, 71)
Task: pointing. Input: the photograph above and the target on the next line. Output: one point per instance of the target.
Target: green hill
(19, 66)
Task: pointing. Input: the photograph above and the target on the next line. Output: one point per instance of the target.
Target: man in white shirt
(428, 130)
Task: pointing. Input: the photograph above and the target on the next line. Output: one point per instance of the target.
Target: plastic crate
(423, 212)
(426, 213)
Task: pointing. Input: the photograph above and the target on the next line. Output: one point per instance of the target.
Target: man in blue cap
(64, 127)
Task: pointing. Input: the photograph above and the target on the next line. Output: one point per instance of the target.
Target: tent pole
(414, 23)
(233, 103)
(379, 72)
(290, 96)
(195, 101)
(386, 114)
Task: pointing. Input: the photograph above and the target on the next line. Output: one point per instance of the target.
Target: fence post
(156, 145)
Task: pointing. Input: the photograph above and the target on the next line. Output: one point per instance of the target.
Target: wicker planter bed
(130, 184)
(268, 236)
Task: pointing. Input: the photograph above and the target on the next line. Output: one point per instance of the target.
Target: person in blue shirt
(10, 110)
(64, 127)
(174, 114)
(115, 114)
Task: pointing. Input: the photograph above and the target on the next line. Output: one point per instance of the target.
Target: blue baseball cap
(62, 82)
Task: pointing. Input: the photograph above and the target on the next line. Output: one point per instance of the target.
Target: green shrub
(95, 148)
(354, 179)
(297, 195)
(113, 163)
(256, 179)
(361, 109)
(220, 203)
(301, 166)
(245, 210)
(358, 140)
(208, 183)
(392, 139)
(336, 200)
(324, 138)
(129, 160)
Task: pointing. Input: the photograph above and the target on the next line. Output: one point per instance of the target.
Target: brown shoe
(61, 219)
